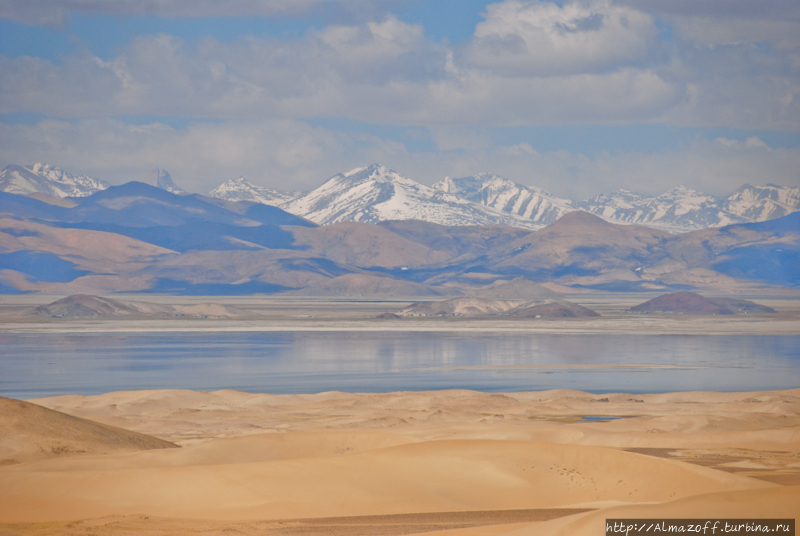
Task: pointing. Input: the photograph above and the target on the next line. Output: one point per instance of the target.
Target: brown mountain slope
(457, 242)
(29, 432)
(518, 288)
(580, 244)
(365, 245)
(96, 251)
(367, 285)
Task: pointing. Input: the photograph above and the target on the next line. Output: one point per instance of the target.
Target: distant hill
(138, 238)
(558, 309)
(482, 307)
(460, 307)
(690, 303)
(86, 306)
(83, 306)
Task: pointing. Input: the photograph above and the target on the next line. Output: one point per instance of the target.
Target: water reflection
(43, 365)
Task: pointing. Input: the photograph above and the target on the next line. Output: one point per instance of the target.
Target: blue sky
(577, 97)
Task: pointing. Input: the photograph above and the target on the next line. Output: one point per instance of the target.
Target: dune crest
(29, 432)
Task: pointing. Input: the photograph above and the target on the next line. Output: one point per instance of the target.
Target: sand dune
(779, 503)
(29, 432)
(429, 476)
(453, 462)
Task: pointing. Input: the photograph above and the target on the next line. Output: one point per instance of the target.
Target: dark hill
(681, 303)
(689, 303)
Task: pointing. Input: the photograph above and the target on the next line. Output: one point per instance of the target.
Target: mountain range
(48, 180)
(140, 238)
(374, 194)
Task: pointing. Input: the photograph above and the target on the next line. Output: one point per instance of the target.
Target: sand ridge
(342, 456)
(30, 432)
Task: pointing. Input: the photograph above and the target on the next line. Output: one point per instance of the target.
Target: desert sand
(441, 462)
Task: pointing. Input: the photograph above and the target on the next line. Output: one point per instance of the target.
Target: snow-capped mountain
(375, 193)
(160, 178)
(47, 179)
(491, 190)
(761, 203)
(243, 190)
(677, 210)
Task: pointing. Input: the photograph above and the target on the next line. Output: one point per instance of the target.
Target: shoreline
(651, 325)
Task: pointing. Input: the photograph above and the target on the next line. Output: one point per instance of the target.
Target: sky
(579, 98)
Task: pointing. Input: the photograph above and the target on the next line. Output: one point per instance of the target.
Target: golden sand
(443, 462)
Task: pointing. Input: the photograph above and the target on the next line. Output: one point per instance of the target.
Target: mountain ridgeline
(141, 238)
(374, 194)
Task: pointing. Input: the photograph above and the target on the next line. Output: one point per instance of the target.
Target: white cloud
(580, 63)
(383, 72)
(753, 142)
(283, 154)
(542, 38)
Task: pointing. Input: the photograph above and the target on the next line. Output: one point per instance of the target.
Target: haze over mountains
(137, 237)
(375, 194)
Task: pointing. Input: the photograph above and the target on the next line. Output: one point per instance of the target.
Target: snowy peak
(531, 203)
(376, 193)
(761, 203)
(243, 190)
(47, 179)
(160, 178)
(676, 210)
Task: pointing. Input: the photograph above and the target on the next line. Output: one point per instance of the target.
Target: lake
(309, 362)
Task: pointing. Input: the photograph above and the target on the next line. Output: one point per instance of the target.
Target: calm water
(309, 362)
